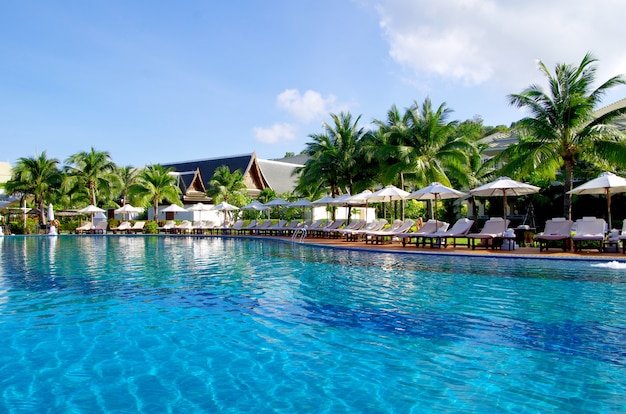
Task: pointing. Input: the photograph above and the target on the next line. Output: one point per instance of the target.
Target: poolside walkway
(396, 247)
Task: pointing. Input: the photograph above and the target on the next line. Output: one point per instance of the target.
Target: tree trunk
(567, 198)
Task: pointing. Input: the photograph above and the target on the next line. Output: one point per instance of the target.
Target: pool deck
(396, 247)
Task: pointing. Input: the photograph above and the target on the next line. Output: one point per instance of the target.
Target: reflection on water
(187, 324)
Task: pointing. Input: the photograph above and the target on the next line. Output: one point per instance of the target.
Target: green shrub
(151, 227)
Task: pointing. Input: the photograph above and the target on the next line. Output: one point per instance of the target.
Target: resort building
(258, 174)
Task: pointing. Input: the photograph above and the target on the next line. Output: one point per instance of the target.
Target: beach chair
(327, 230)
(100, 228)
(290, 228)
(374, 225)
(84, 228)
(354, 225)
(388, 236)
(183, 228)
(167, 227)
(123, 226)
(459, 230)
(317, 225)
(558, 231)
(492, 231)
(589, 234)
(275, 228)
(137, 227)
(431, 226)
(261, 227)
(235, 228)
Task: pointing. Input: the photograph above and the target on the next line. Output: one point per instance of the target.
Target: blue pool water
(159, 324)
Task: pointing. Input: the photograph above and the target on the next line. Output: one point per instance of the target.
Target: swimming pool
(184, 324)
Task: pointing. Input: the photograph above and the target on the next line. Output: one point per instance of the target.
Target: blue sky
(161, 81)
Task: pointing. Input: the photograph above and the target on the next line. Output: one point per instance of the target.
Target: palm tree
(155, 184)
(38, 177)
(562, 129)
(126, 177)
(336, 156)
(422, 146)
(227, 186)
(93, 170)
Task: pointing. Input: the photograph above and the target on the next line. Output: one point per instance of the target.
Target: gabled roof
(280, 175)
(247, 164)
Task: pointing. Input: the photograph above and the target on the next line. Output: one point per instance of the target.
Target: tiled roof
(280, 175)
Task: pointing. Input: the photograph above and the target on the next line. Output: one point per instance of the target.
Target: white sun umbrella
(342, 200)
(436, 191)
(606, 183)
(225, 207)
(302, 203)
(127, 209)
(91, 209)
(53, 229)
(277, 202)
(503, 187)
(388, 194)
(361, 199)
(324, 201)
(200, 207)
(256, 205)
(50, 212)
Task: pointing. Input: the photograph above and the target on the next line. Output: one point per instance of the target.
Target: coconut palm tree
(422, 146)
(126, 177)
(38, 177)
(155, 184)
(227, 186)
(336, 155)
(562, 129)
(93, 169)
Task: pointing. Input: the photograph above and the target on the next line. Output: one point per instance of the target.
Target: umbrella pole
(608, 204)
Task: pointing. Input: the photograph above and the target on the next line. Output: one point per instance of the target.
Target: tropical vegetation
(563, 138)
(562, 131)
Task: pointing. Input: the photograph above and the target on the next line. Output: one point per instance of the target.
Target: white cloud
(306, 107)
(275, 134)
(473, 42)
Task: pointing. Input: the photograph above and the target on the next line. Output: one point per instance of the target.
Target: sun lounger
(290, 227)
(459, 230)
(492, 231)
(327, 230)
(317, 226)
(260, 227)
(557, 231)
(622, 237)
(354, 235)
(122, 227)
(167, 227)
(275, 228)
(183, 228)
(590, 232)
(100, 228)
(430, 227)
(383, 236)
(84, 228)
(354, 225)
(137, 227)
